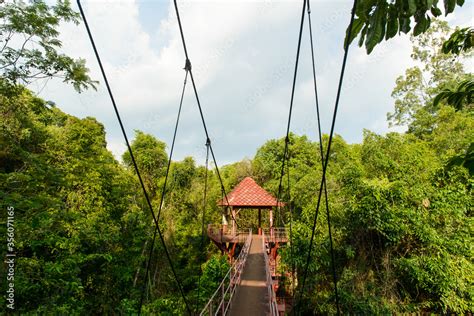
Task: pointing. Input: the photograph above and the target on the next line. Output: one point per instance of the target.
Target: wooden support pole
(233, 220)
(271, 217)
(259, 221)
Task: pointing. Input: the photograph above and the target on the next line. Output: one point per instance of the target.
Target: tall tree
(78, 227)
(30, 47)
(415, 91)
(151, 159)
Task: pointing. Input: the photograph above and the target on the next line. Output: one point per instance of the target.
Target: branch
(8, 38)
(19, 54)
(37, 77)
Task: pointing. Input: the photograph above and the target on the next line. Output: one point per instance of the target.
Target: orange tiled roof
(249, 194)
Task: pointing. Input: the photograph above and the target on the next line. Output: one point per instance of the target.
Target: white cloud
(243, 58)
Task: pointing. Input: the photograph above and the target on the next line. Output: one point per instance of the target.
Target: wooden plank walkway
(251, 297)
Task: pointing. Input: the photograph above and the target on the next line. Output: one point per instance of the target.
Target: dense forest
(401, 204)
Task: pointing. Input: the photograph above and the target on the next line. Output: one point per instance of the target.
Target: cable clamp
(187, 66)
(208, 142)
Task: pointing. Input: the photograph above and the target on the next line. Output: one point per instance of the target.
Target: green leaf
(376, 29)
(392, 24)
(411, 7)
(449, 6)
(438, 98)
(436, 11)
(363, 35)
(460, 40)
(356, 28)
(405, 24)
(37, 22)
(422, 25)
(469, 160)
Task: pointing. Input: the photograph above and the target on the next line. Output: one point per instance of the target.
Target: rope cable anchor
(187, 65)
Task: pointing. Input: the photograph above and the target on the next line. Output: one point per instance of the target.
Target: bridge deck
(251, 297)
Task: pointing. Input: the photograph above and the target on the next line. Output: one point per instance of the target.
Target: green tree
(78, 227)
(408, 223)
(414, 92)
(30, 45)
(151, 158)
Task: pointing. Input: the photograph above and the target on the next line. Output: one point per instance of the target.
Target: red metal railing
(276, 234)
(271, 293)
(223, 233)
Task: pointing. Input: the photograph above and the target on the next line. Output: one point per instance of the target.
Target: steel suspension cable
(322, 159)
(208, 144)
(328, 150)
(163, 190)
(117, 113)
(287, 139)
(199, 106)
(291, 227)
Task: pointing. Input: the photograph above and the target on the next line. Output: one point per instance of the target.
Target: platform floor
(251, 297)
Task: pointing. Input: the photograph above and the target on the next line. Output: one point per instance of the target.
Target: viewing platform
(222, 233)
(258, 283)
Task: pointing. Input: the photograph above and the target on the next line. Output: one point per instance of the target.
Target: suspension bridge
(249, 286)
(254, 285)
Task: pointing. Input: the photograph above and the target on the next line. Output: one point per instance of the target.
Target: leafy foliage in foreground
(459, 41)
(379, 19)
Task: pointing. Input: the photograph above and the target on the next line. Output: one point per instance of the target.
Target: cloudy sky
(242, 54)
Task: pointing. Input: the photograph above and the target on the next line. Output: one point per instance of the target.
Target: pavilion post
(259, 221)
(271, 217)
(224, 218)
(233, 220)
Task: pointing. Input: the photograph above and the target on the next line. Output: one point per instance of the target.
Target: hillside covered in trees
(401, 205)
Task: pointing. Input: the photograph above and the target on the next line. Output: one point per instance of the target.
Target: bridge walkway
(251, 297)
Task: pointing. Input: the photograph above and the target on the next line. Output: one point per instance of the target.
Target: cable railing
(272, 302)
(219, 303)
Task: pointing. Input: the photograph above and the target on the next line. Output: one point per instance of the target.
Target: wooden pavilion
(249, 195)
(246, 195)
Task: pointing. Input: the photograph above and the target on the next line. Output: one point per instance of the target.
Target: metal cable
(109, 90)
(163, 191)
(293, 270)
(291, 108)
(322, 159)
(326, 157)
(200, 108)
(208, 144)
